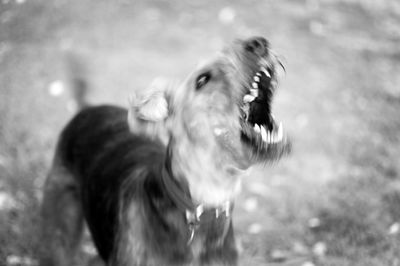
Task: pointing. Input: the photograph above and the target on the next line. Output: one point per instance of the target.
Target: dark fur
(116, 172)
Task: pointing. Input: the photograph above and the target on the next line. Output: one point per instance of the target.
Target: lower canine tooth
(272, 137)
(257, 128)
(263, 134)
(280, 132)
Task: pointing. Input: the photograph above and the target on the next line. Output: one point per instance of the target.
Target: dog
(156, 183)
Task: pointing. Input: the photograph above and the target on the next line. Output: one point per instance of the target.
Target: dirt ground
(334, 201)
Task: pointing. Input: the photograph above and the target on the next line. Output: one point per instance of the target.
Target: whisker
(277, 57)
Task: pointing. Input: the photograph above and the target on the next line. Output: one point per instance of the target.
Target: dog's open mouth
(259, 127)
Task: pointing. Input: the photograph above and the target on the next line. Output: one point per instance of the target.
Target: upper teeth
(266, 72)
(264, 135)
(248, 98)
(254, 92)
(280, 131)
(270, 137)
(255, 87)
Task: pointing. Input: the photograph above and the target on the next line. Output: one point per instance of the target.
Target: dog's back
(97, 147)
(96, 156)
(102, 173)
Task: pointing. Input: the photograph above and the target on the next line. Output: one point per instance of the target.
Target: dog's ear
(149, 109)
(151, 104)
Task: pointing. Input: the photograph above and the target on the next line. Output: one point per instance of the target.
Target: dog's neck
(177, 191)
(203, 172)
(197, 215)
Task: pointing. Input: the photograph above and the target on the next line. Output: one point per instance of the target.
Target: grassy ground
(334, 201)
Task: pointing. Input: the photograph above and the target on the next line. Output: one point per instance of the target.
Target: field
(334, 201)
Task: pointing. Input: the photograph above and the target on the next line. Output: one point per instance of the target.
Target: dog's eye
(202, 80)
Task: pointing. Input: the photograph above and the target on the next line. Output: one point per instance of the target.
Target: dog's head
(257, 71)
(220, 117)
(226, 103)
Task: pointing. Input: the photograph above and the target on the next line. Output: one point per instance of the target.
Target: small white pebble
(319, 249)
(3, 160)
(251, 204)
(7, 202)
(13, 260)
(254, 228)
(258, 188)
(227, 15)
(317, 28)
(300, 248)
(56, 88)
(314, 222)
(18, 260)
(308, 263)
(278, 255)
(394, 229)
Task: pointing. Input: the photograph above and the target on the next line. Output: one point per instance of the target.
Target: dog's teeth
(257, 128)
(276, 137)
(254, 92)
(256, 78)
(258, 74)
(280, 133)
(248, 98)
(263, 134)
(271, 133)
(266, 72)
(255, 85)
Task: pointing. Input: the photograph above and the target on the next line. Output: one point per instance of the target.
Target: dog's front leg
(220, 250)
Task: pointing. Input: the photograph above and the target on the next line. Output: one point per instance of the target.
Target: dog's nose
(257, 45)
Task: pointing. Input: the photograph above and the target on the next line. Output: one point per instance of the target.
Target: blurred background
(334, 201)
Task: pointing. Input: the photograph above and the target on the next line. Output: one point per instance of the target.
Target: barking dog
(165, 196)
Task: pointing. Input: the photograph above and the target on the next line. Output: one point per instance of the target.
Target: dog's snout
(257, 45)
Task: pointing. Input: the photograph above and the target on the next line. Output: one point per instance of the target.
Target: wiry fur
(114, 173)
